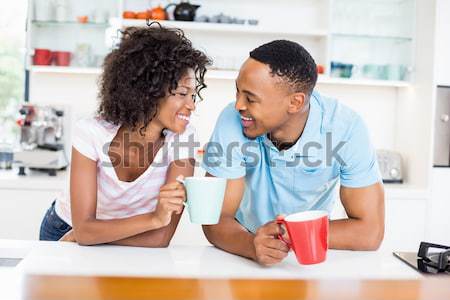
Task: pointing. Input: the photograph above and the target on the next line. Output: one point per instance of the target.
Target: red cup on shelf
(320, 69)
(42, 57)
(308, 234)
(62, 58)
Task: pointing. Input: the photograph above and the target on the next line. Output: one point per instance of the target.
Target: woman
(125, 161)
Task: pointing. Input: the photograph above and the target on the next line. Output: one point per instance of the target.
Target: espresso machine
(41, 139)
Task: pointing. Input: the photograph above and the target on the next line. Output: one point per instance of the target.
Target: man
(285, 148)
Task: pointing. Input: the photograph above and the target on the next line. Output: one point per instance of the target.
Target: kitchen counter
(56, 270)
(58, 258)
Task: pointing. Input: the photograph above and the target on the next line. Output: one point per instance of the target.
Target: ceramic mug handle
(280, 236)
(180, 179)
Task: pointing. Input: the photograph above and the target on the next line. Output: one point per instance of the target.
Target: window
(12, 70)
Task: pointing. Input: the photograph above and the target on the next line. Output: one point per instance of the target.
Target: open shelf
(371, 36)
(362, 82)
(323, 79)
(232, 28)
(71, 23)
(230, 75)
(64, 70)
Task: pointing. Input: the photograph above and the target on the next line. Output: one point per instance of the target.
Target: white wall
(416, 105)
(443, 42)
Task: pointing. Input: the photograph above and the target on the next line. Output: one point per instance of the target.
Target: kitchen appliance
(390, 164)
(430, 259)
(41, 139)
(6, 156)
(442, 128)
(184, 11)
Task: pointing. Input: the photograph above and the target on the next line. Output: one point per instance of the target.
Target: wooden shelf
(231, 28)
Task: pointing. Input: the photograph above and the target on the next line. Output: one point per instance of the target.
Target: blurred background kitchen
(387, 59)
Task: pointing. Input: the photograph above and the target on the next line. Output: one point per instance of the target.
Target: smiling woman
(125, 161)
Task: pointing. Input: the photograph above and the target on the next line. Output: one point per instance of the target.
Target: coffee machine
(41, 139)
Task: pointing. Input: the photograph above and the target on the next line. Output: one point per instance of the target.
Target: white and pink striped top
(116, 198)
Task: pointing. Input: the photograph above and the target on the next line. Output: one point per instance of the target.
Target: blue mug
(204, 198)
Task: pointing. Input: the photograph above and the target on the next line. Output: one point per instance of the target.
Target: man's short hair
(291, 62)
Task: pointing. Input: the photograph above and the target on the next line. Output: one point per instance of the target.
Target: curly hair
(290, 61)
(145, 67)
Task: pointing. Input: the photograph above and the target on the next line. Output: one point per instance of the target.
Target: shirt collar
(311, 132)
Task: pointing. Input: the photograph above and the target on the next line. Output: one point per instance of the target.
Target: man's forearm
(231, 236)
(355, 234)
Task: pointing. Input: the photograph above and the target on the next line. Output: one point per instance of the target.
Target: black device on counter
(431, 258)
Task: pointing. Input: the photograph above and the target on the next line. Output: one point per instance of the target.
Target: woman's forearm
(152, 239)
(92, 232)
(157, 238)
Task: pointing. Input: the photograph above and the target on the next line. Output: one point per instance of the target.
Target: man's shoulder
(229, 114)
(229, 124)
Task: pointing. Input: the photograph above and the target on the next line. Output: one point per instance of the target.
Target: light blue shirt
(302, 177)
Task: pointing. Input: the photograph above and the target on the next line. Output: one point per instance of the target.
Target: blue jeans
(53, 227)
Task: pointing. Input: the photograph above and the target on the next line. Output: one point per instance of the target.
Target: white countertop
(57, 258)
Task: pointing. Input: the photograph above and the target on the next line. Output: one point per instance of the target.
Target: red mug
(62, 58)
(42, 57)
(308, 234)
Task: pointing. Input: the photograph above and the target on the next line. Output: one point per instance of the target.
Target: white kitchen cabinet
(21, 212)
(24, 201)
(405, 218)
(438, 229)
(405, 221)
